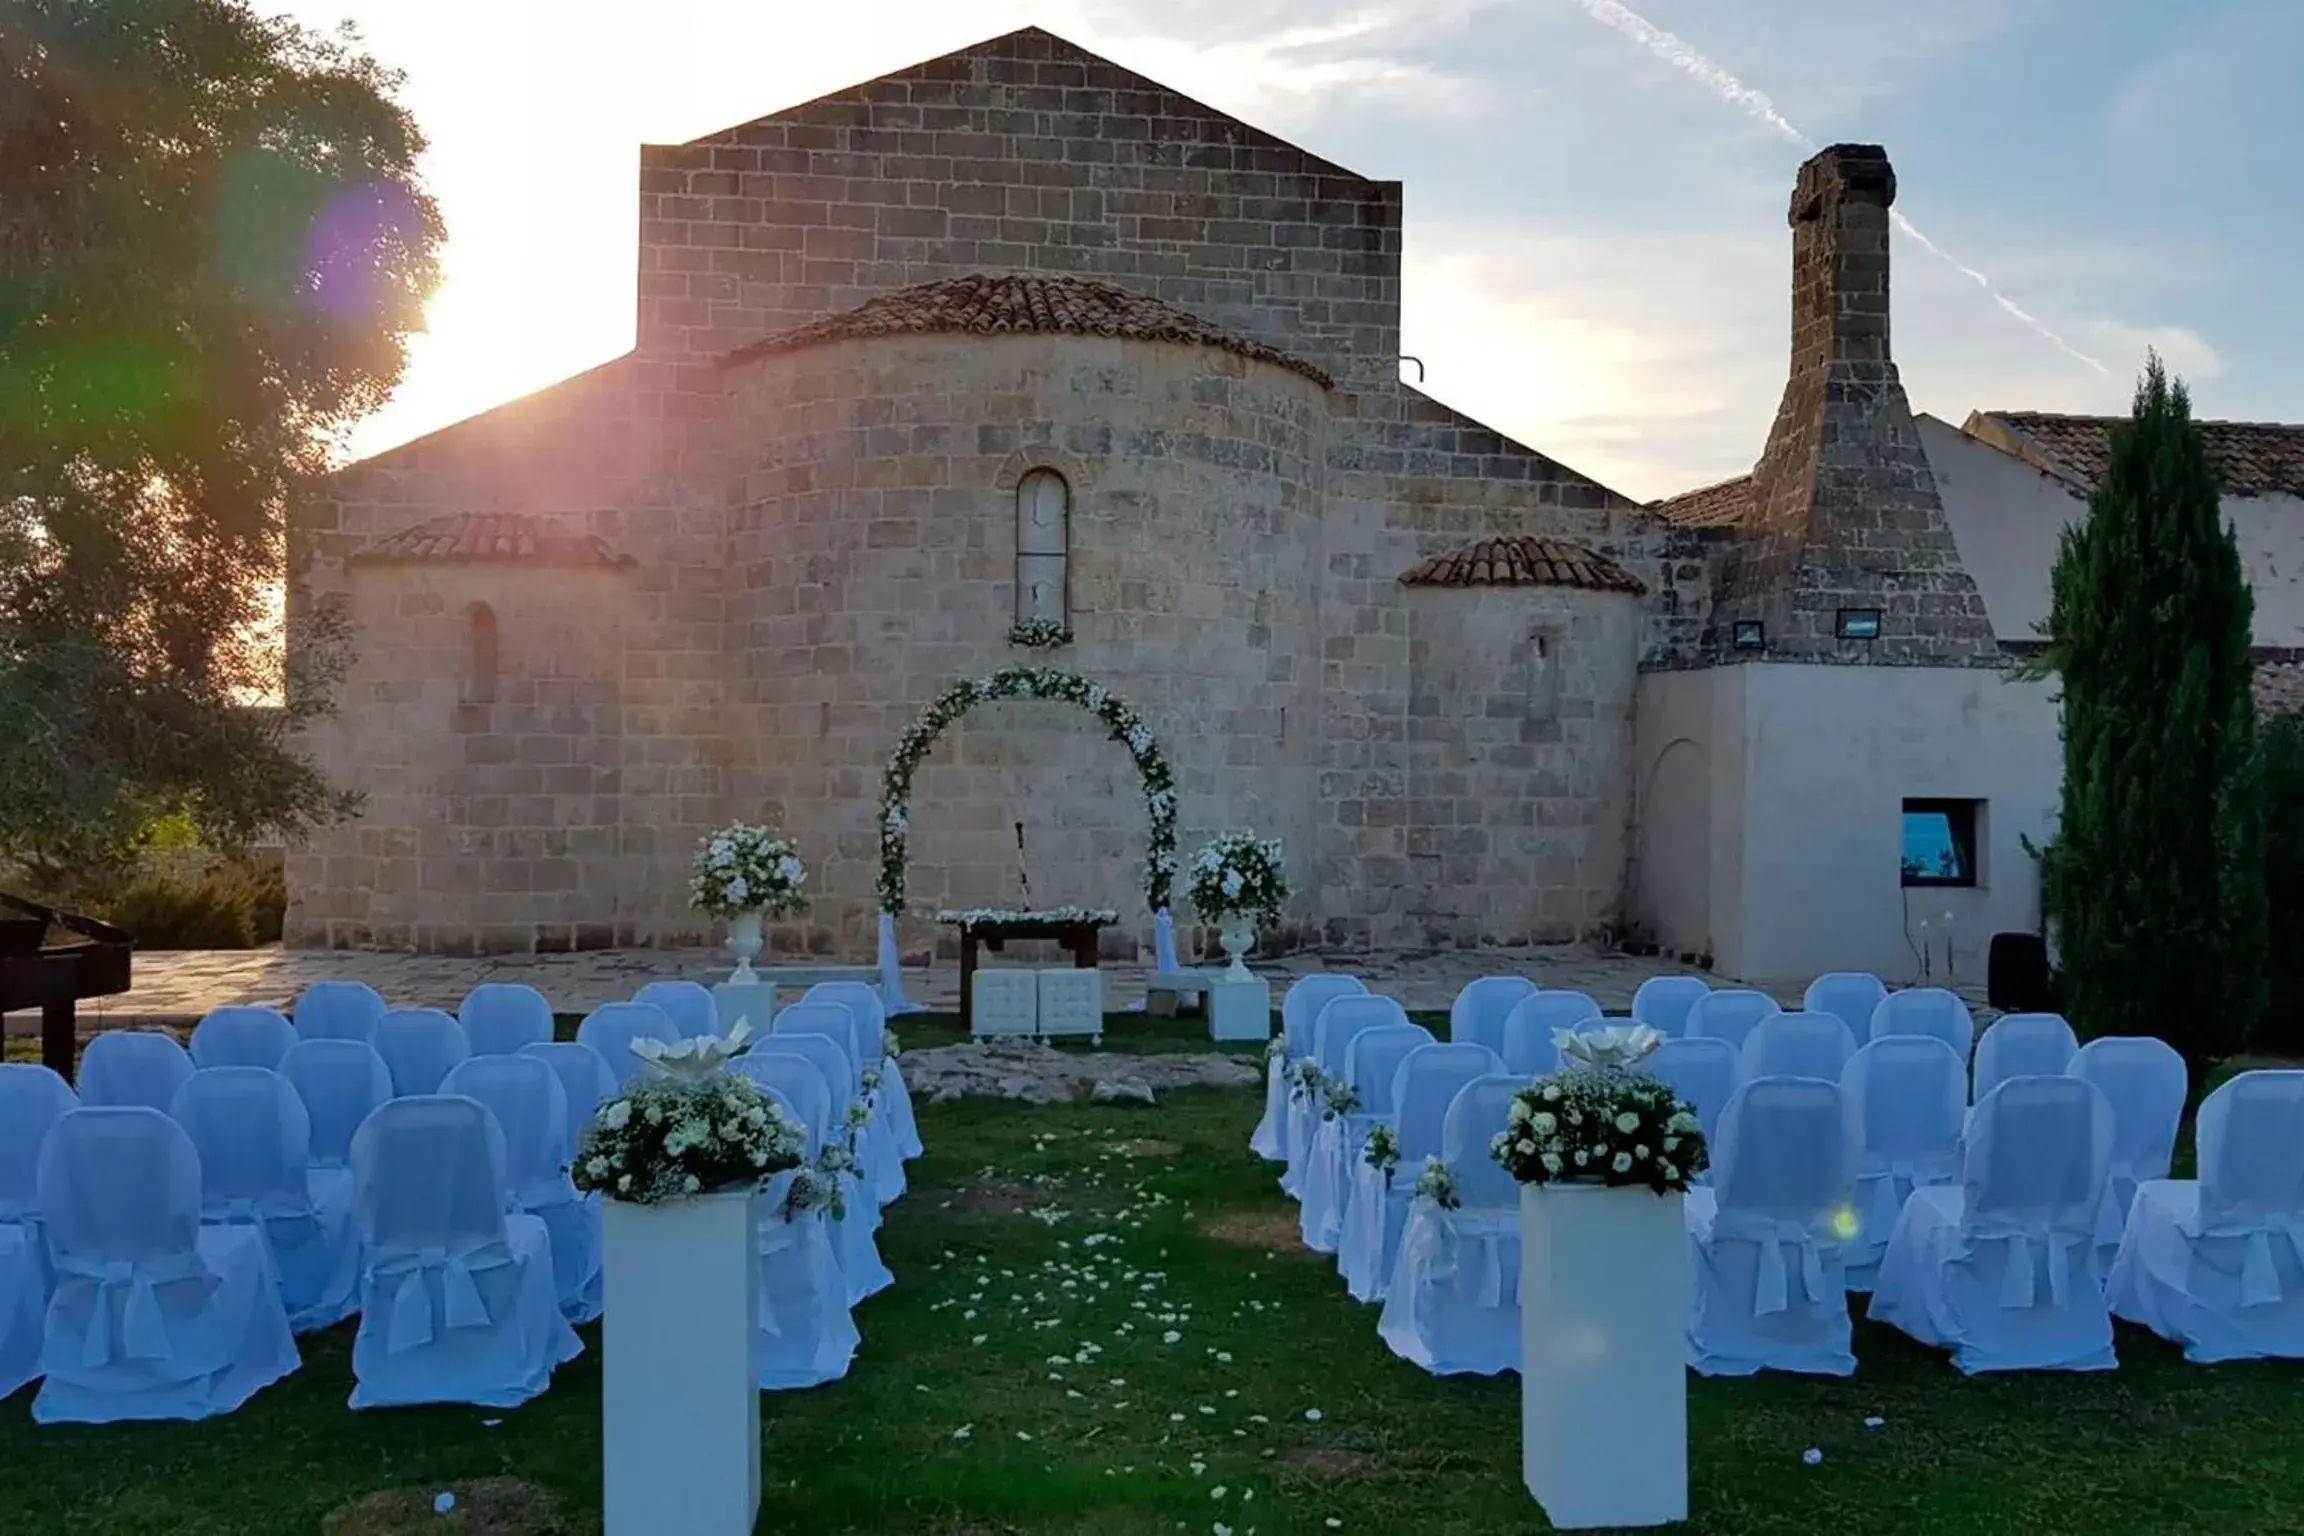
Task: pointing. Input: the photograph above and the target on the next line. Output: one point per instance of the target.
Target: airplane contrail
(1755, 104)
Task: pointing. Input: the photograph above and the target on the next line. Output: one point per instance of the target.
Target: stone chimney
(1844, 511)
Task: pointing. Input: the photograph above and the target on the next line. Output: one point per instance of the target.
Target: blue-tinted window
(1939, 842)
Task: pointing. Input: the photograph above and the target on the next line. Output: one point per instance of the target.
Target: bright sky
(1597, 260)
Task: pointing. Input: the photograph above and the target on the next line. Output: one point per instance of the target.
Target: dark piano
(49, 960)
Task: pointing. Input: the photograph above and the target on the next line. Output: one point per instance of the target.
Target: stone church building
(1015, 358)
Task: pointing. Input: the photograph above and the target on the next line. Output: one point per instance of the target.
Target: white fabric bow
(2020, 1283)
(2112, 1215)
(143, 1331)
(2259, 1275)
(1478, 1239)
(1772, 1283)
(411, 1325)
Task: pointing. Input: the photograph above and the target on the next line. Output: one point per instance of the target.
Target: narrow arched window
(480, 654)
(1043, 549)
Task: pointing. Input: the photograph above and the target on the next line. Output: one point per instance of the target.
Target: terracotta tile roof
(2279, 687)
(506, 537)
(2250, 458)
(1713, 506)
(1523, 562)
(988, 304)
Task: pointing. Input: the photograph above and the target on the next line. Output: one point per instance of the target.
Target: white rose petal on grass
(1874, 1422)
(963, 1431)
(1218, 1491)
(1312, 1415)
(1170, 1337)
(1024, 1435)
(1812, 1456)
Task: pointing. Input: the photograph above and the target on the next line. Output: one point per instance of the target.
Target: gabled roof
(2249, 458)
(1521, 561)
(1022, 303)
(1712, 506)
(510, 538)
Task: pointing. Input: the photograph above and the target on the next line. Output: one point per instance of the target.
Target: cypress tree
(2157, 887)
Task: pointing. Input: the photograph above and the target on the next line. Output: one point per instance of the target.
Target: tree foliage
(212, 248)
(2156, 889)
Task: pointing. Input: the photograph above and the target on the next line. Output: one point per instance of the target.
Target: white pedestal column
(751, 1000)
(680, 1394)
(1604, 1355)
(1239, 1010)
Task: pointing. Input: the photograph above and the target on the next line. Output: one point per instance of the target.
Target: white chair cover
(2217, 1264)
(611, 1028)
(688, 1004)
(1764, 1238)
(1729, 1014)
(1339, 1019)
(1298, 1007)
(338, 1010)
(254, 1141)
(1926, 1011)
(419, 1046)
(1662, 1002)
(2023, 1045)
(1529, 1048)
(155, 1316)
(892, 972)
(1453, 1304)
(834, 1021)
(239, 1036)
(456, 1302)
(872, 1051)
(1906, 1094)
(2146, 1083)
(815, 1036)
(341, 1082)
(132, 1068)
(586, 1082)
(1700, 1069)
(501, 1017)
(854, 1238)
(1371, 1056)
(1796, 1045)
(23, 1306)
(32, 1100)
(1377, 1205)
(525, 1095)
(2001, 1268)
(1477, 1015)
(806, 1335)
(1852, 995)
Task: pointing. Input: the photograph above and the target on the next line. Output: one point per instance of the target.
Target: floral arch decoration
(1121, 723)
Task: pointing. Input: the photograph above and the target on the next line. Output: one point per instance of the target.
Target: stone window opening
(1544, 646)
(1043, 549)
(1941, 843)
(480, 654)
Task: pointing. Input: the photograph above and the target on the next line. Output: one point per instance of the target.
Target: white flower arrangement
(1121, 724)
(976, 917)
(1342, 1098)
(1438, 1185)
(665, 1139)
(1383, 1151)
(1038, 634)
(889, 1048)
(743, 868)
(1602, 1125)
(821, 1188)
(871, 1080)
(1240, 875)
(1309, 1082)
(1276, 1048)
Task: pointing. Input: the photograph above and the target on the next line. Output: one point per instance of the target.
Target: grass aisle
(1102, 1324)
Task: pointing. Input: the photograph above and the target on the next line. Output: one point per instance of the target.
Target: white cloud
(2185, 351)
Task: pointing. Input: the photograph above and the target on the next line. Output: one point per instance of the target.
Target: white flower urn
(680, 1390)
(1604, 1355)
(746, 934)
(1238, 936)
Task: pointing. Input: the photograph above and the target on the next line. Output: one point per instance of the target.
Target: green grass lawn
(1036, 1234)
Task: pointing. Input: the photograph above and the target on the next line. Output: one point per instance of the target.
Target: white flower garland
(978, 916)
(1038, 634)
(1121, 723)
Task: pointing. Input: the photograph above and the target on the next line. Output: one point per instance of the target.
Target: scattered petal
(962, 1432)
(444, 1504)
(1874, 1422)
(1312, 1415)
(1812, 1456)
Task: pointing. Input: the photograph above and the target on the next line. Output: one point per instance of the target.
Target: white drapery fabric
(1662, 1002)
(1298, 1006)
(340, 1083)
(254, 1140)
(502, 1017)
(1370, 1058)
(2023, 1045)
(1377, 1203)
(806, 1334)
(531, 1107)
(242, 1036)
(132, 1068)
(1796, 1045)
(419, 1046)
(338, 1010)
(1477, 1015)
(1729, 1014)
(586, 1082)
(155, 1315)
(1851, 995)
(2145, 1082)
(688, 1004)
(23, 1306)
(1453, 1303)
(2217, 1264)
(1908, 1097)
(815, 1030)
(1700, 1069)
(1529, 1047)
(1765, 1238)
(872, 1054)
(2001, 1268)
(892, 972)
(1339, 1019)
(611, 1028)
(812, 1082)
(456, 1300)
(32, 1100)
(1926, 1011)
